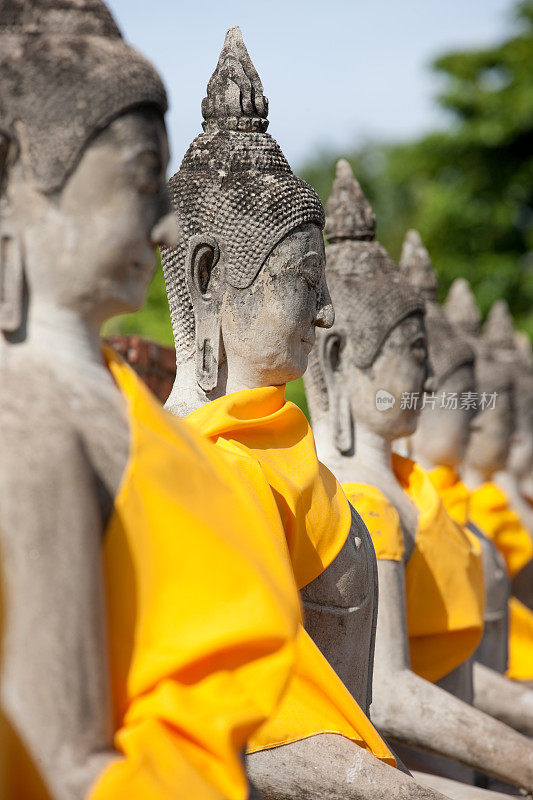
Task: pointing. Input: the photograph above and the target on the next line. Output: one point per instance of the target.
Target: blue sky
(336, 72)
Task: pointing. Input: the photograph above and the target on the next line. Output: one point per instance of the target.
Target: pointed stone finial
(499, 331)
(235, 100)
(461, 307)
(349, 215)
(417, 266)
(523, 348)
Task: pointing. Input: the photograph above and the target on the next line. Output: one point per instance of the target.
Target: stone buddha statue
(501, 439)
(500, 338)
(442, 435)
(365, 376)
(115, 676)
(247, 292)
(439, 445)
(510, 435)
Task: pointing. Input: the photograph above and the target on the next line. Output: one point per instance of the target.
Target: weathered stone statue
(440, 441)
(500, 342)
(439, 444)
(147, 621)
(495, 445)
(359, 385)
(499, 337)
(247, 290)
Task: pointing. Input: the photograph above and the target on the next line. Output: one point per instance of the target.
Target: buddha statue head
(246, 283)
(375, 354)
(443, 430)
(494, 425)
(83, 156)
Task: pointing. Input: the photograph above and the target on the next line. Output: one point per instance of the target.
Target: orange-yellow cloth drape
(490, 510)
(520, 641)
(273, 437)
(445, 594)
(380, 517)
(270, 441)
(453, 492)
(202, 613)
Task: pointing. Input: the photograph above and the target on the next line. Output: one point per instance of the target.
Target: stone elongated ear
(341, 421)
(202, 258)
(11, 283)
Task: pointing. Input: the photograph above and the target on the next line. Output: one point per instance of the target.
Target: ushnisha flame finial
(349, 215)
(461, 307)
(235, 100)
(367, 288)
(523, 349)
(499, 330)
(417, 266)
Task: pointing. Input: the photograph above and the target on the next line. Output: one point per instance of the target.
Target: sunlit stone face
(399, 371)
(268, 329)
(492, 432)
(444, 428)
(91, 247)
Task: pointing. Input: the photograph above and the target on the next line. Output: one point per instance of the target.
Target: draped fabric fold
(270, 441)
(520, 641)
(491, 511)
(202, 613)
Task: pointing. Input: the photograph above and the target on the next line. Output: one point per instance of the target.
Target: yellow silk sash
(270, 441)
(202, 613)
(491, 512)
(520, 641)
(453, 493)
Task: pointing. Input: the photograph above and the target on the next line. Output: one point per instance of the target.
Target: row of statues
(218, 600)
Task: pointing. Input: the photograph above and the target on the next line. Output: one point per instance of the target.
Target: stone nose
(325, 316)
(165, 232)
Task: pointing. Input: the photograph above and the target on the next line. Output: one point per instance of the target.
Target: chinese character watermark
(412, 401)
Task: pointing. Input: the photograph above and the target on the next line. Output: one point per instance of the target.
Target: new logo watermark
(384, 400)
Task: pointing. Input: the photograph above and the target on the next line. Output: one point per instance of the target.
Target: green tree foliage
(469, 188)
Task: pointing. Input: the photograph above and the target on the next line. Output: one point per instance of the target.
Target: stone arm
(330, 767)
(419, 714)
(54, 680)
(503, 699)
